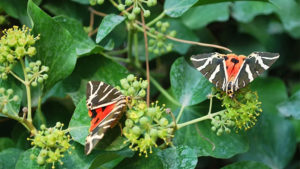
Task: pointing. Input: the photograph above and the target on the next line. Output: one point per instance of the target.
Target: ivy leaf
(179, 157)
(83, 43)
(16, 9)
(208, 14)
(291, 106)
(5, 143)
(108, 23)
(93, 67)
(85, 2)
(246, 165)
(9, 157)
(204, 141)
(175, 8)
(55, 47)
(189, 86)
(13, 107)
(204, 2)
(245, 11)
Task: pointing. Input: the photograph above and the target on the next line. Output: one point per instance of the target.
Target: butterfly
(231, 72)
(105, 106)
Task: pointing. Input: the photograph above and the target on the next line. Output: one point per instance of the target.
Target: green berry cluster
(133, 87)
(15, 44)
(6, 96)
(36, 72)
(158, 44)
(53, 143)
(137, 7)
(241, 111)
(94, 2)
(145, 125)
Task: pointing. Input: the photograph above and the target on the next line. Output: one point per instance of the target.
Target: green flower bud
(227, 130)
(58, 124)
(2, 20)
(163, 122)
(142, 93)
(43, 152)
(166, 24)
(10, 58)
(136, 130)
(129, 123)
(147, 13)
(144, 84)
(151, 42)
(153, 132)
(15, 98)
(31, 64)
(121, 7)
(151, 112)
(144, 121)
(32, 157)
(169, 47)
(2, 90)
(131, 91)
(160, 44)
(20, 51)
(213, 128)
(27, 69)
(100, 2)
(45, 76)
(12, 42)
(130, 78)
(4, 76)
(93, 2)
(40, 80)
(9, 91)
(136, 84)
(163, 29)
(128, 2)
(131, 16)
(43, 126)
(29, 76)
(152, 30)
(158, 24)
(156, 51)
(34, 84)
(136, 10)
(22, 42)
(162, 133)
(124, 83)
(173, 33)
(45, 68)
(35, 69)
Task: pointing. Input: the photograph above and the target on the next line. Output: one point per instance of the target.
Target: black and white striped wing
(212, 66)
(100, 94)
(254, 65)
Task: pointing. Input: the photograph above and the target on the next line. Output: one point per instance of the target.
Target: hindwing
(212, 66)
(106, 105)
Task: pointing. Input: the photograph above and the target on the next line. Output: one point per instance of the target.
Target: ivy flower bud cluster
(158, 44)
(15, 44)
(133, 87)
(144, 125)
(52, 143)
(36, 72)
(241, 111)
(6, 96)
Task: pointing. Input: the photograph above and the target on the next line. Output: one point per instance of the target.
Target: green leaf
(83, 43)
(296, 124)
(24, 161)
(208, 13)
(55, 47)
(175, 8)
(246, 165)
(9, 157)
(16, 9)
(272, 141)
(93, 67)
(189, 86)
(108, 23)
(86, 2)
(291, 106)
(80, 122)
(180, 157)
(271, 91)
(204, 2)
(204, 141)
(245, 11)
(5, 143)
(13, 107)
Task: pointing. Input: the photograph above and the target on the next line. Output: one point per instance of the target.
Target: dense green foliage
(44, 72)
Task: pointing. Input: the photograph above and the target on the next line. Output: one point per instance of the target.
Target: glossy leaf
(181, 157)
(175, 8)
(189, 86)
(204, 141)
(16, 9)
(5, 143)
(204, 2)
(83, 43)
(108, 23)
(291, 106)
(86, 2)
(245, 11)
(246, 165)
(9, 157)
(55, 48)
(199, 16)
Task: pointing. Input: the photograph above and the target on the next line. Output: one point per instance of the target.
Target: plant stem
(114, 58)
(136, 49)
(208, 116)
(117, 52)
(129, 43)
(17, 77)
(156, 19)
(28, 92)
(210, 105)
(180, 113)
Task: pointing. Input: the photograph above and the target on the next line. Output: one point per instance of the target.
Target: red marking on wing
(233, 65)
(101, 114)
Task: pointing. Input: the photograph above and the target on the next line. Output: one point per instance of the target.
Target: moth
(105, 106)
(231, 72)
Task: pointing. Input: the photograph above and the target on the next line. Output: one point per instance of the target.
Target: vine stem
(208, 116)
(125, 60)
(28, 92)
(147, 57)
(156, 19)
(180, 113)
(136, 48)
(129, 43)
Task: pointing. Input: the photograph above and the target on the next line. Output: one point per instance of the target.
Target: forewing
(255, 64)
(108, 122)
(212, 66)
(100, 94)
